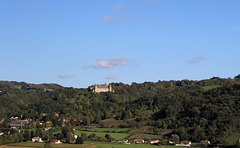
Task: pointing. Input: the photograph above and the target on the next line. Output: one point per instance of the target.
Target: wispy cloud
(110, 77)
(117, 8)
(196, 59)
(62, 76)
(110, 63)
(110, 19)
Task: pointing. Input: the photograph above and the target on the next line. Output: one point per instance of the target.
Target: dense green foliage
(192, 111)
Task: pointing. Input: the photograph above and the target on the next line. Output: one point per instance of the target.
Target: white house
(154, 141)
(184, 143)
(37, 139)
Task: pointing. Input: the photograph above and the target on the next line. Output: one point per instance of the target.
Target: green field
(42, 145)
(114, 135)
(117, 130)
(112, 145)
(210, 87)
(234, 137)
(86, 145)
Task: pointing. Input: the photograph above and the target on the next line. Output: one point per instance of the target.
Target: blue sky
(77, 43)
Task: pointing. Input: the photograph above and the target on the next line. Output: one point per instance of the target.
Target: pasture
(114, 135)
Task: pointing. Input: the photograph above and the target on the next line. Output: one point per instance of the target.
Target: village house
(184, 143)
(100, 88)
(49, 122)
(123, 141)
(1, 121)
(154, 141)
(19, 124)
(37, 139)
(137, 141)
(1, 133)
(171, 142)
(205, 143)
(57, 141)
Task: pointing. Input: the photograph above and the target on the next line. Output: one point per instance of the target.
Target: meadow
(114, 135)
(48, 145)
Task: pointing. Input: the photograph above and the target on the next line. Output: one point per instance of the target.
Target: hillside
(194, 110)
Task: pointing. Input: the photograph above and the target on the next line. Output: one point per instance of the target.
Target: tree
(175, 138)
(108, 137)
(79, 140)
(26, 135)
(86, 120)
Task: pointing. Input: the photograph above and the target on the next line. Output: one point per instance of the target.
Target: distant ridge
(27, 86)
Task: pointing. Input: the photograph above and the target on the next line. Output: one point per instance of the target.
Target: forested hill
(195, 110)
(6, 85)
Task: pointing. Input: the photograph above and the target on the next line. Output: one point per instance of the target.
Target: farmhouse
(184, 143)
(37, 139)
(1, 133)
(100, 88)
(19, 123)
(123, 141)
(205, 143)
(154, 141)
(138, 141)
(57, 141)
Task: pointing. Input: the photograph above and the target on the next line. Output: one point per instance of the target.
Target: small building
(171, 142)
(205, 143)
(1, 121)
(37, 139)
(57, 141)
(1, 133)
(184, 143)
(19, 124)
(137, 141)
(154, 141)
(100, 88)
(49, 122)
(123, 141)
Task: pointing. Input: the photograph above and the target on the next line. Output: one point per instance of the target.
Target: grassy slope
(210, 87)
(114, 135)
(110, 129)
(41, 145)
(110, 145)
(234, 137)
(146, 132)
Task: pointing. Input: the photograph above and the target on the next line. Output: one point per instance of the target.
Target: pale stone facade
(100, 88)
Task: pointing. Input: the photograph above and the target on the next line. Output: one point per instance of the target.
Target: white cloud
(110, 77)
(196, 59)
(117, 8)
(62, 76)
(110, 63)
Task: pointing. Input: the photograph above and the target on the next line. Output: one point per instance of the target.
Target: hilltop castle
(101, 88)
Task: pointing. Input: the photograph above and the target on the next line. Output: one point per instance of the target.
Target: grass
(51, 145)
(114, 135)
(146, 132)
(86, 145)
(210, 87)
(117, 130)
(111, 145)
(234, 137)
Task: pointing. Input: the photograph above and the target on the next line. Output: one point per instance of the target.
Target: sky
(78, 43)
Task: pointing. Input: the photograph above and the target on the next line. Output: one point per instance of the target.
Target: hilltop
(194, 110)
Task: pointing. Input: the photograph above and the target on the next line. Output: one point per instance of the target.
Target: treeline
(191, 111)
(6, 85)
